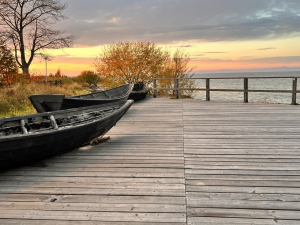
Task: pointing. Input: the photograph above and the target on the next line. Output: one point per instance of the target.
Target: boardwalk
(169, 162)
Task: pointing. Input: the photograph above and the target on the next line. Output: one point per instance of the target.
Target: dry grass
(14, 100)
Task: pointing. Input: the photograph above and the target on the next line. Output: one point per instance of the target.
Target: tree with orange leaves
(8, 65)
(130, 62)
(177, 67)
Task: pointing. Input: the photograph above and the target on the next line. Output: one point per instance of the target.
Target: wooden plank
(94, 174)
(25, 184)
(292, 165)
(85, 222)
(223, 141)
(243, 157)
(95, 164)
(222, 221)
(125, 152)
(100, 199)
(238, 129)
(242, 149)
(244, 213)
(131, 147)
(241, 177)
(239, 167)
(100, 169)
(93, 191)
(241, 122)
(244, 183)
(243, 204)
(99, 179)
(93, 207)
(233, 189)
(108, 157)
(119, 162)
(232, 152)
(93, 216)
(247, 172)
(243, 197)
(266, 137)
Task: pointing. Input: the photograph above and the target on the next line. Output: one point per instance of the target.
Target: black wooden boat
(49, 102)
(28, 138)
(139, 91)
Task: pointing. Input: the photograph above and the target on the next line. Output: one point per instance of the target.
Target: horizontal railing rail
(246, 90)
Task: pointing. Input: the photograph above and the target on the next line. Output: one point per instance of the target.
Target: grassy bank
(14, 100)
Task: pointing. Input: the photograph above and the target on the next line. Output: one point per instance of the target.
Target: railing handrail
(226, 78)
(246, 90)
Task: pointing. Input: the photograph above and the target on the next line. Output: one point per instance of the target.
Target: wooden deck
(169, 162)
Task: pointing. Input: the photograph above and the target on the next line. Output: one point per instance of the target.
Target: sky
(219, 35)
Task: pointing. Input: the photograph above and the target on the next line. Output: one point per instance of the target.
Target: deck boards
(242, 163)
(169, 162)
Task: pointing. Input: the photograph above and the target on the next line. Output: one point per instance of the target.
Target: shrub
(14, 100)
(88, 77)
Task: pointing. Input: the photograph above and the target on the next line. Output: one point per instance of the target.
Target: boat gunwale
(146, 90)
(4, 119)
(129, 90)
(69, 127)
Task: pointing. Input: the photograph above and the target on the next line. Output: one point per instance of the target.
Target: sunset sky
(219, 35)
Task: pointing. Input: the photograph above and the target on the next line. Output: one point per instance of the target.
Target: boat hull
(22, 149)
(69, 103)
(139, 91)
(138, 95)
(48, 103)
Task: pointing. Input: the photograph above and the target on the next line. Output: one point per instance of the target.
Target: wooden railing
(246, 90)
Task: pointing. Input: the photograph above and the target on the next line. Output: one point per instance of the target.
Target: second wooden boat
(49, 102)
(28, 138)
(139, 92)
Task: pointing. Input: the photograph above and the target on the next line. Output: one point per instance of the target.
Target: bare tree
(26, 24)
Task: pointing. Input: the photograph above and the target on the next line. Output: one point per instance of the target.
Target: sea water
(253, 84)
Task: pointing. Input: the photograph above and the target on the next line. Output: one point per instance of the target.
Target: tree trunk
(25, 69)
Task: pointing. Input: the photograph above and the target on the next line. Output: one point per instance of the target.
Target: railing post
(207, 90)
(154, 88)
(246, 90)
(294, 94)
(176, 88)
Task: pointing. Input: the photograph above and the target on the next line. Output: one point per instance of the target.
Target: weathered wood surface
(169, 162)
(135, 178)
(242, 163)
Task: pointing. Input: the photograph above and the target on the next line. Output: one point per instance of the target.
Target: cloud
(214, 52)
(250, 59)
(266, 48)
(69, 59)
(98, 21)
(184, 46)
(199, 55)
(280, 70)
(114, 20)
(245, 58)
(81, 46)
(280, 59)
